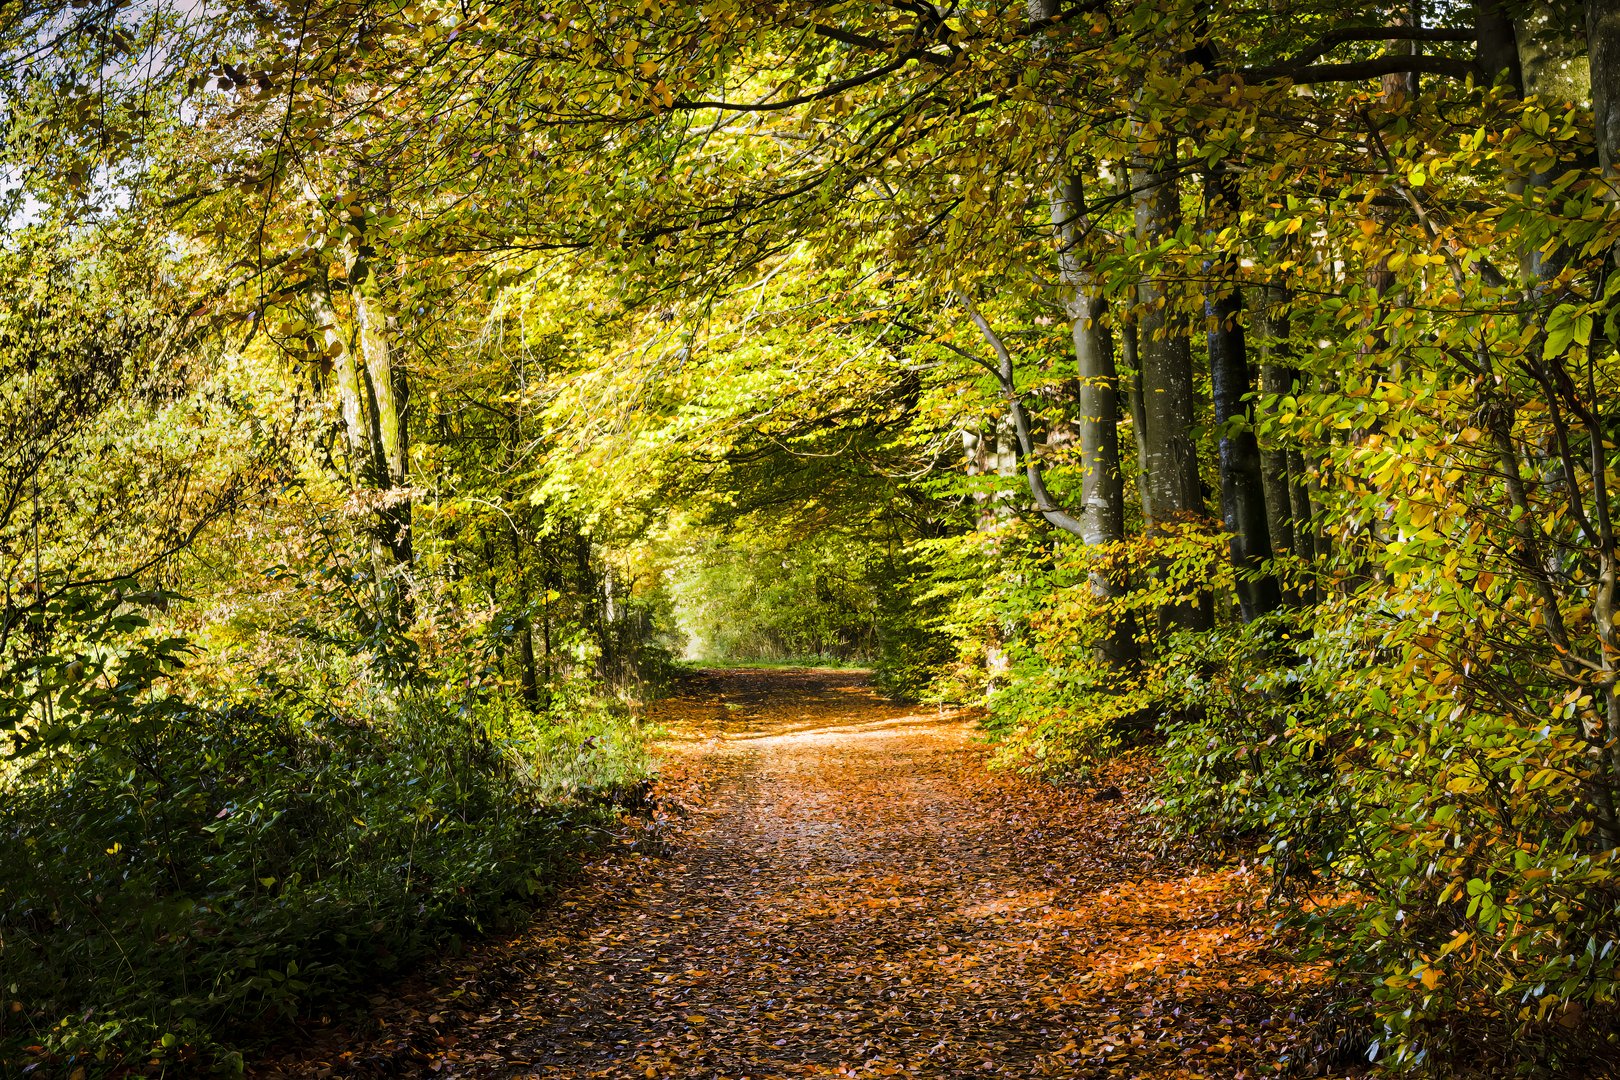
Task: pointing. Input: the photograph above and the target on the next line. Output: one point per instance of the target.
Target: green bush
(1032, 642)
(1440, 853)
(176, 890)
(1431, 824)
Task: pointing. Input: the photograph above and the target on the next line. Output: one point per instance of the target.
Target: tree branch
(830, 90)
(862, 41)
(1357, 70)
(1344, 34)
(1026, 442)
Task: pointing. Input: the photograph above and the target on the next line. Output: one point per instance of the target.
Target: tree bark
(1243, 502)
(1131, 355)
(1403, 84)
(1603, 45)
(1305, 538)
(528, 673)
(1603, 49)
(1553, 64)
(1171, 487)
(388, 394)
(1277, 379)
(1102, 512)
(346, 380)
(1498, 49)
(1165, 358)
(1101, 517)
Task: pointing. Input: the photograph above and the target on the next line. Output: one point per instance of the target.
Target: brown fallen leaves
(852, 894)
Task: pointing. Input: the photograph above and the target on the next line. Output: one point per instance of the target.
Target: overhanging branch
(1357, 70)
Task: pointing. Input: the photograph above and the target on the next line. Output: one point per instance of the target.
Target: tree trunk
(528, 674)
(1403, 84)
(1316, 502)
(1243, 500)
(388, 394)
(1603, 45)
(1164, 356)
(1553, 65)
(546, 589)
(1131, 356)
(1102, 512)
(1276, 379)
(1498, 50)
(1171, 485)
(346, 380)
(1305, 540)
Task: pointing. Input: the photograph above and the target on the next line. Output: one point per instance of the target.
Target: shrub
(1056, 707)
(1441, 853)
(174, 883)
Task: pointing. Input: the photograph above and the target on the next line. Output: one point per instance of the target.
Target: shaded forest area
(393, 396)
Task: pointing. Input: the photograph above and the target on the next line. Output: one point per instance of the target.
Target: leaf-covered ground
(850, 893)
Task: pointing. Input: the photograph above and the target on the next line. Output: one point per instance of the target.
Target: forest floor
(848, 892)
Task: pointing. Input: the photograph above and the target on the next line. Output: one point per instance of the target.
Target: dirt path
(855, 895)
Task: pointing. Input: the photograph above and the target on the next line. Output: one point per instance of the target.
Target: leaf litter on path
(851, 893)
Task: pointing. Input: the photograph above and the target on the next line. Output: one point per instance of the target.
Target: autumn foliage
(398, 390)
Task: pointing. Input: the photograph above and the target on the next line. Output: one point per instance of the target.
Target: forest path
(855, 895)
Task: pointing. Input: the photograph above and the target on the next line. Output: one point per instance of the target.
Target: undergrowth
(168, 897)
(1436, 835)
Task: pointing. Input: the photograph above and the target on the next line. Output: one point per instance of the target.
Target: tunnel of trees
(394, 393)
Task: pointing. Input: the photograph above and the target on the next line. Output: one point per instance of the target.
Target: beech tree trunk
(1277, 379)
(1128, 339)
(1603, 44)
(1171, 485)
(1243, 501)
(1603, 49)
(528, 671)
(388, 395)
(1310, 546)
(1553, 63)
(1498, 50)
(1102, 513)
(1288, 498)
(345, 380)
(1101, 518)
